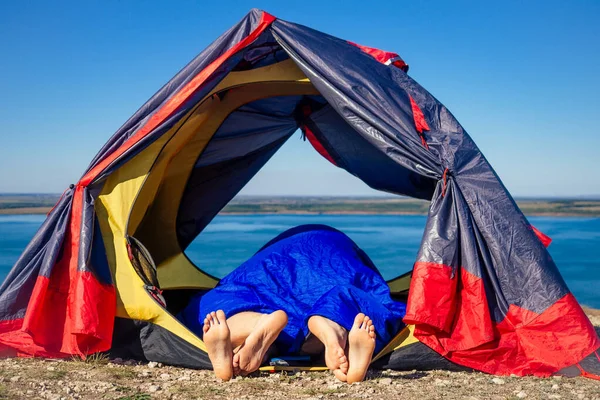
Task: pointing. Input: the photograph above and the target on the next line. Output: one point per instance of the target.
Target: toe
(340, 375)
(372, 332)
(221, 316)
(365, 323)
(360, 317)
(344, 367)
(214, 317)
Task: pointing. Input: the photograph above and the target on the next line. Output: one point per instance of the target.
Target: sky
(520, 76)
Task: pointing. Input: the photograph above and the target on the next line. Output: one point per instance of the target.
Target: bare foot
(251, 354)
(218, 343)
(361, 341)
(334, 337)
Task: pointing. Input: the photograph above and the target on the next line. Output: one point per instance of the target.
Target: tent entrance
(195, 149)
(168, 193)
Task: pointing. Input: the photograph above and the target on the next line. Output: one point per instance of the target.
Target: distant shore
(282, 205)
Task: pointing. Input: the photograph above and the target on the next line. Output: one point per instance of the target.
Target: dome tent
(484, 292)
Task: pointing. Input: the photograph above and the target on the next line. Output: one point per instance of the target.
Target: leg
(334, 338)
(218, 344)
(251, 353)
(361, 341)
(312, 345)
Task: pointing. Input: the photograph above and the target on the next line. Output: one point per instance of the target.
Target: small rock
(152, 364)
(498, 381)
(521, 395)
(51, 369)
(441, 382)
(554, 396)
(165, 377)
(385, 381)
(555, 387)
(334, 386)
(117, 360)
(184, 378)
(581, 396)
(29, 392)
(15, 378)
(153, 388)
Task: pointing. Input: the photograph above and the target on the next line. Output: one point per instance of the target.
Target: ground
(101, 378)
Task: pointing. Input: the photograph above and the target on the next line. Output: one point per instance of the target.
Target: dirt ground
(100, 378)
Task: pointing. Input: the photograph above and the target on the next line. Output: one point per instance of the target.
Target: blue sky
(521, 77)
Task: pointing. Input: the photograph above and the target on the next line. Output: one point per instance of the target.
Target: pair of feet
(248, 356)
(347, 354)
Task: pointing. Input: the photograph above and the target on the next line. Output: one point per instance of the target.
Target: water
(391, 241)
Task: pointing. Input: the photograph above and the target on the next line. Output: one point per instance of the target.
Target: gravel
(98, 378)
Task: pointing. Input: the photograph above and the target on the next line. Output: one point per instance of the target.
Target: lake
(392, 241)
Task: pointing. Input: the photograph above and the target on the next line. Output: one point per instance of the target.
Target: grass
(137, 396)
(4, 393)
(209, 391)
(288, 377)
(311, 391)
(56, 374)
(180, 389)
(97, 359)
(123, 373)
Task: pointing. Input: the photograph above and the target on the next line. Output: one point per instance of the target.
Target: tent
(107, 272)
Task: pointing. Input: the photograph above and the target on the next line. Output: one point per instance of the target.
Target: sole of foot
(218, 343)
(334, 338)
(361, 344)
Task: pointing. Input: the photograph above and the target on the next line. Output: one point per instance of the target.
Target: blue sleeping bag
(305, 271)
